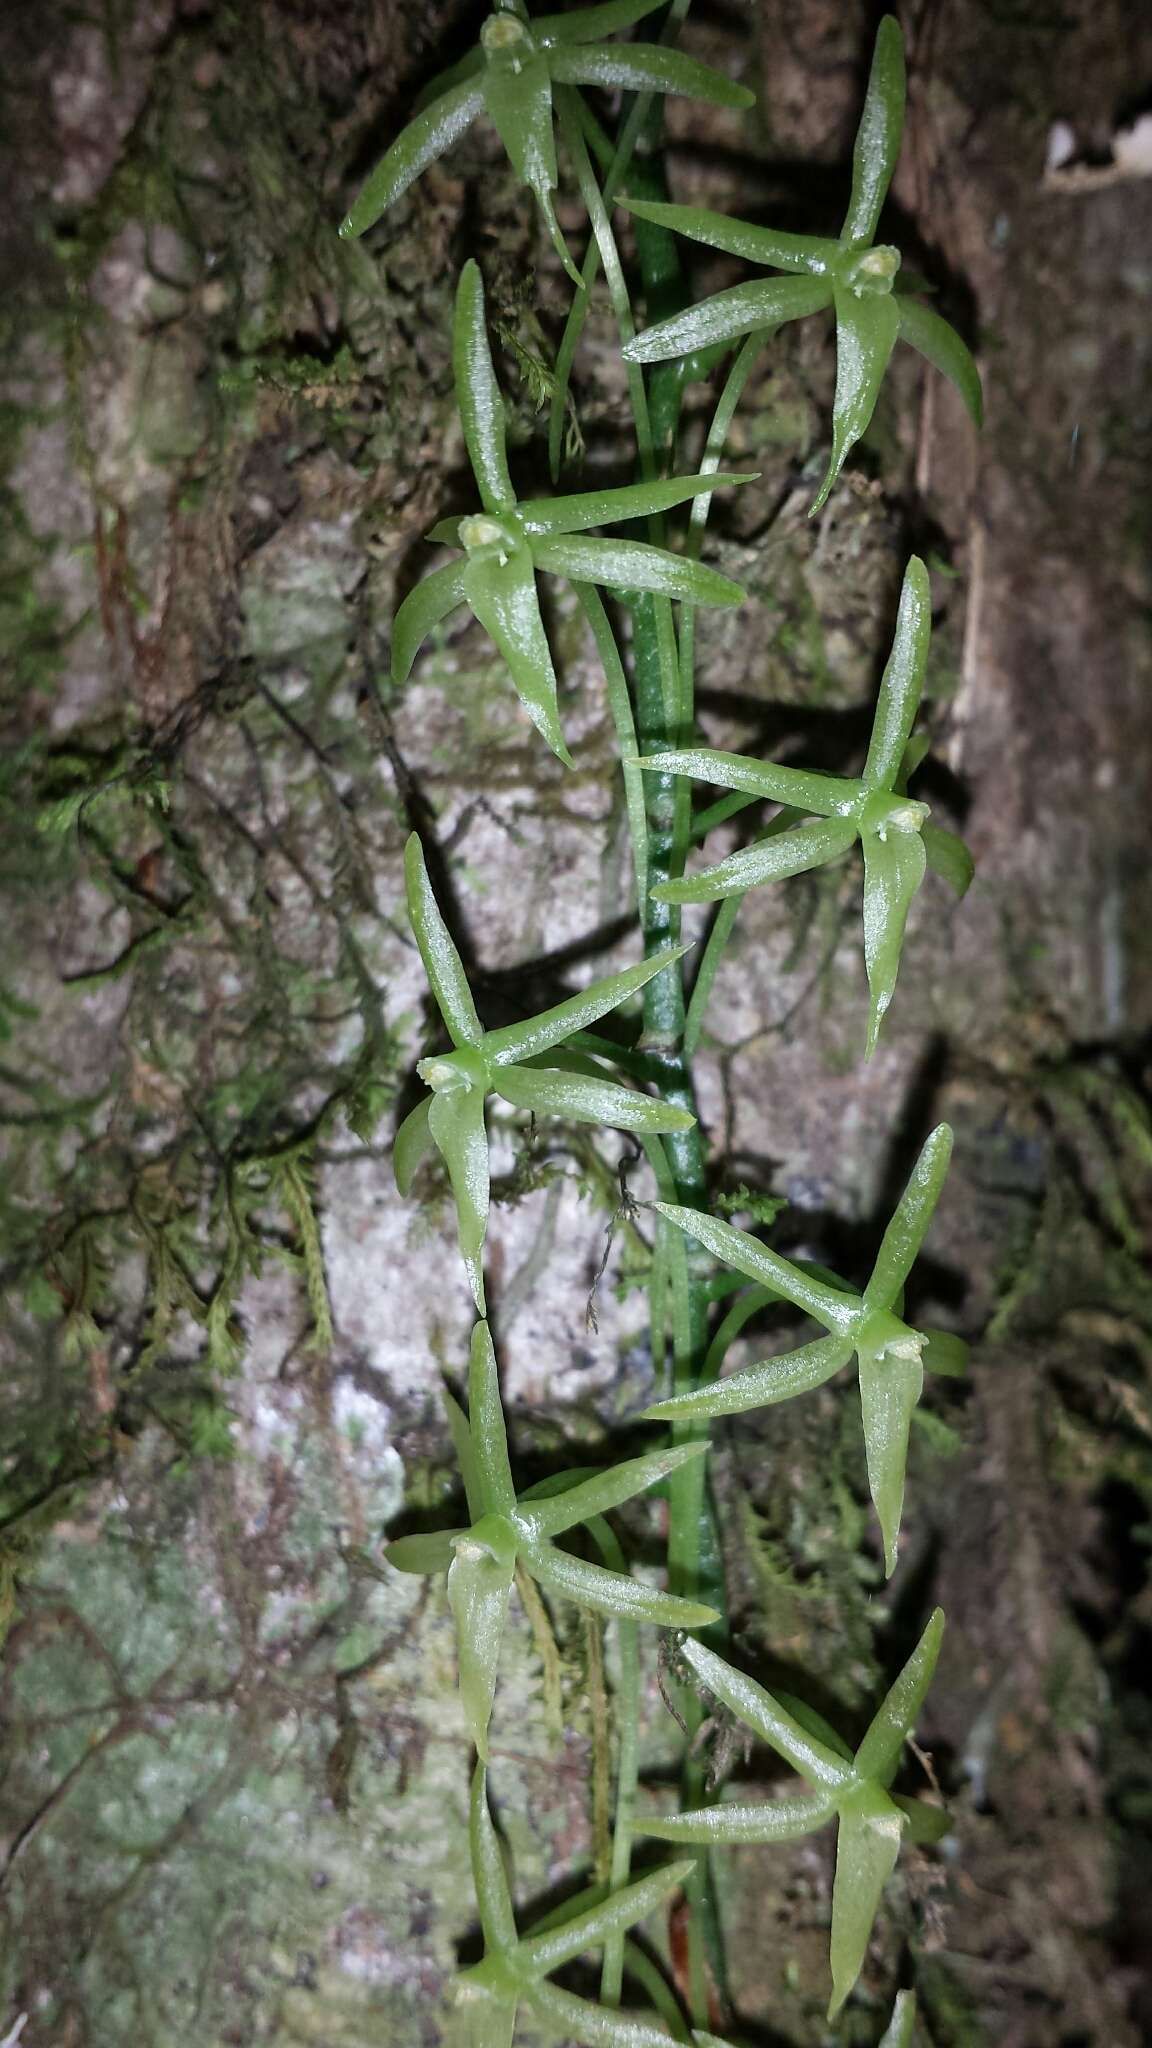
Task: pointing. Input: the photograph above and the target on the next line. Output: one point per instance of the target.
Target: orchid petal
(442, 963)
(423, 1554)
(479, 1582)
(878, 135)
(893, 871)
(769, 302)
(597, 1496)
(866, 330)
(911, 1220)
(612, 1592)
(891, 1383)
(757, 1386)
(819, 1765)
(412, 1145)
(635, 565)
(828, 795)
(831, 1306)
(456, 1122)
(895, 1720)
(539, 1956)
(518, 1042)
(811, 255)
(425, 606)
(769, 1820)
(938, 342)
(902, 681)
(948, 857)
(503, 597)
(867, 1846)
(646, 67)
(478, 396)
(424, 139)
(769, 860)
(624, 502)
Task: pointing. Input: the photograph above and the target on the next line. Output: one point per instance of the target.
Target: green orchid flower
(854, 276)
(891, 1357)
(510, 75)
(507, 542)
(512, 1063)
(897, 840)
(513, 1975)
(852, 1789)
(506, 1531)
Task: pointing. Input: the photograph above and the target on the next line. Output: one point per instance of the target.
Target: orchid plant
(508, 1530)
(854, 1789)
(523, 71)
(897, 841)
(510, 76)
(891, 1357)
(854, 276)
(506, 543)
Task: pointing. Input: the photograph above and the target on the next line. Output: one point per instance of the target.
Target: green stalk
(578, 313)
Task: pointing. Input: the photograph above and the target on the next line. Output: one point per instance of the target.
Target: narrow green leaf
(895, 1720)
(478, 398)
(902, 681)
(866, 1850)
(944, 1353)
(940, 345)
(948, 857)
(479, 1582)
(813, 255)
(577, 2019)
(607, 1490)
(768, 1719)
(828, 795)
(769, 860)
(424, 139)
(627, 501)
(457, 1125)
(588, 24)
(890, 1386)
(503, 597)
(635, 565)
(488, 1876)
(588, 1101)
(769, 302)
(423, 1554)
(757, 1386)
(831, 1306)
(893, 871)
(518, 1042)
(902, 2025)
(442, 963)
(911, 1219)
(769, 1820)
(878, 135)
(411, 1145)
(422, 611)
(544, 1953)
(486, 1420)
(612, 1592)
(646, 67)
(866, 330)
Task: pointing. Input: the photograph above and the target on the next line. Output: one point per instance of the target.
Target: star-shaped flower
(481, 1560)
(891, 1357)
(852, 275)
(853, 1789)
(506, 542)
(510, 1062)
(514, 1973)
(510, 75)
(897, 841)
